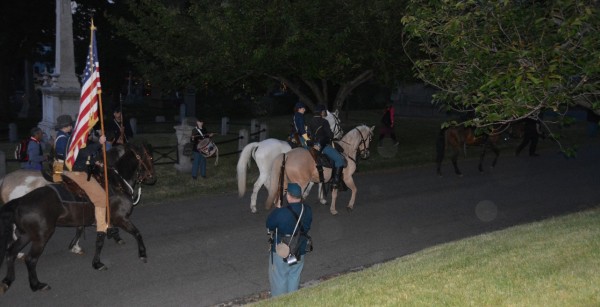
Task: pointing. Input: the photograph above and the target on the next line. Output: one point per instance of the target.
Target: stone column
(183, 133)
(61, 96)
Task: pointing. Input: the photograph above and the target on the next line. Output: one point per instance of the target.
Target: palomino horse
(299, 166)
(38, 213)
(457, 138)
(21, 182)
(264, 152)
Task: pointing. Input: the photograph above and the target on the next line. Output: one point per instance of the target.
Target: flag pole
(103, 145)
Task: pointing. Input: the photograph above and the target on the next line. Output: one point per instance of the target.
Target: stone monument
(62, 89)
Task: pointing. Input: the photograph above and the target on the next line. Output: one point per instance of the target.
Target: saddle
(69, 192)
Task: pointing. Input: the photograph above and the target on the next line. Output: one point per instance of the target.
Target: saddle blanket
(66, 196)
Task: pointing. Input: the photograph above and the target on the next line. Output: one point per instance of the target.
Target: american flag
(88, 103)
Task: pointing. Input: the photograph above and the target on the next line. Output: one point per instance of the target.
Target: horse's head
(366, 136)
(335, 124)
(144, 170)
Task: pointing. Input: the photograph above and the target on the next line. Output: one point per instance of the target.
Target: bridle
(143, 173)
(364, 153)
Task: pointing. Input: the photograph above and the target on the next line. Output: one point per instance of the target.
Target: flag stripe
(88, 104)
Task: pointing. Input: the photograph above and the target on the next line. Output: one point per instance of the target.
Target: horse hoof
(334, 212)
(77, 250)
(120, 241)
(100, 266)
(41, 287)
(3, 288)
(144, 259)
(349, 209)
(21, 256)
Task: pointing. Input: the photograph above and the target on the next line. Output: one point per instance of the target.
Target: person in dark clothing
(387, 124)
(322, 136)
(293, 220)
(64, 126)
(199, 133)
(531, 136)
(118, 131)
(299, 128)
(35, 154)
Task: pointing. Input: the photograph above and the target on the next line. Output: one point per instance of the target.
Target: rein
(138, 178)
(363, 141)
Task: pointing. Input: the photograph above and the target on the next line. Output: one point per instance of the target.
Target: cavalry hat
(320, 108)
(299, 105)
(294, 190)
(63, 121)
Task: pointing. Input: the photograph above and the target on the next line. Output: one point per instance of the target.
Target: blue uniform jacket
(284, 221)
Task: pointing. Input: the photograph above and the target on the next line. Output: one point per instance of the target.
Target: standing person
(531, 135)
(322, 136)
(387, 122)
(35, 154)
(118, 131)
(299, 128)
(64, 126)
(199, 133)
(293, 219)
(87, 158)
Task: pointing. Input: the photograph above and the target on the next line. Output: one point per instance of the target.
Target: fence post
(13, 132)
(224, 125)
(264, 132)
(2, 163)
(243, 139)
(133, 124)
(253, 128)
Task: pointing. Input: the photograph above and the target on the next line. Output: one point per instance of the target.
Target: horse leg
(321, 194)
(496, 152)
(333, 198)
(96, 264)
(352, 186)
(14, 248)
(31, 261)
(257, 185)
(308, 188)
(113, 233)
(128, 226)
(455, 163)
(74, 245)
(480, 167)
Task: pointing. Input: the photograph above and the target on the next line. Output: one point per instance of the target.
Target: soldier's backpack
(21, 151)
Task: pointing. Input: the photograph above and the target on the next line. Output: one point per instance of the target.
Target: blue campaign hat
(294, 190)
(299, 105)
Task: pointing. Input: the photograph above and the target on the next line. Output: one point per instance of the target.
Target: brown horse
(301, 168)
(38, 213)
(457, 138)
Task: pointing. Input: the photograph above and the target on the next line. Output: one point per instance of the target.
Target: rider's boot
(96, 264)
(337, 174)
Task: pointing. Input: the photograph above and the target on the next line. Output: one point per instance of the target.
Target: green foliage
(507, 60)
(314, 49)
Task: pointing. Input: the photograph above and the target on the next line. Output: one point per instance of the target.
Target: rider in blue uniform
(322, 136)
(299, 126)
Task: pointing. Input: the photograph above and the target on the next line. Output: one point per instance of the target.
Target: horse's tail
(242, 165)
(440, 145)
(7, 219)
(276, 178)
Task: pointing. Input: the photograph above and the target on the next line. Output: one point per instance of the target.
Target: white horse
(264, 152)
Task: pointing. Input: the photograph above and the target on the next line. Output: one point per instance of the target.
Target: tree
(314, 49)
(27, 26)
(507, 60)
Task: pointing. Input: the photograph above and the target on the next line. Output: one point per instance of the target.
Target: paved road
(210, 250)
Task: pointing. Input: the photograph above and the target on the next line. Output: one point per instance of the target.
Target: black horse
(38, 213)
